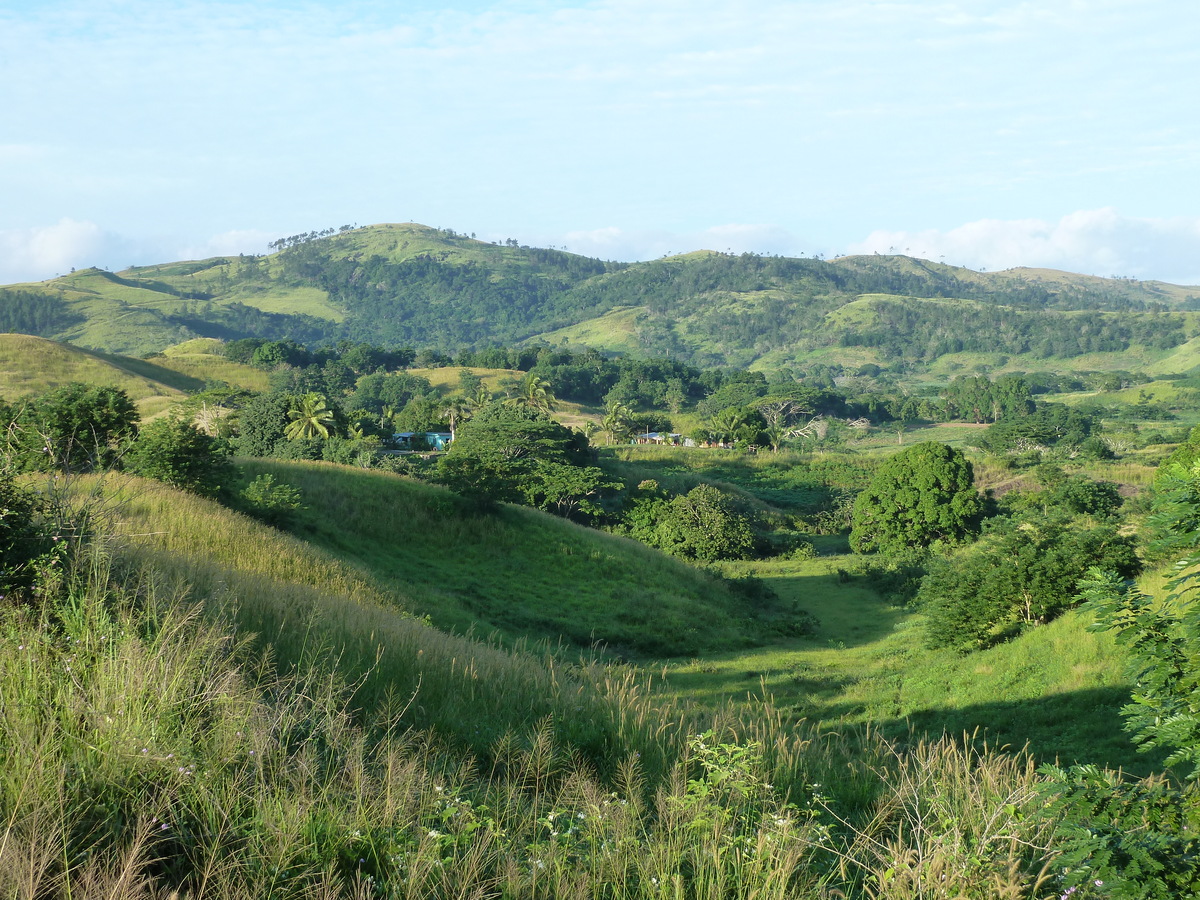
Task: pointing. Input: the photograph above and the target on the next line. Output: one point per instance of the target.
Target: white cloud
(44, 251)
(40, 252)
(230, 243)
(1093, 242)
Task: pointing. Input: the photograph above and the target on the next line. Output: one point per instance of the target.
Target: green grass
(202, 361)
(615, 332)
(149, 748)
(32, 365)
(515, 570)
(1058, 688)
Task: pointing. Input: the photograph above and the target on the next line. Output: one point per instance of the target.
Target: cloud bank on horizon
(1091, 242)
(993, 133)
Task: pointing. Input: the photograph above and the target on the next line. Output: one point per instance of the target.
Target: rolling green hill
(409, 284)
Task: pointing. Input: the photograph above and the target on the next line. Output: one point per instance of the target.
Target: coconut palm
(457, 410)
(481, 399)
(311, 417)
(724, 426)
(535, 393)
(617, 420)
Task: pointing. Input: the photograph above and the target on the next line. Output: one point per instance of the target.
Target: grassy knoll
(445, 378)
(616, 331)
(33, 365)
(517, 570)
(202, 360)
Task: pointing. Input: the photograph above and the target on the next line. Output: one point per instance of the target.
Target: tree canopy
(76, 428)
(920, 495)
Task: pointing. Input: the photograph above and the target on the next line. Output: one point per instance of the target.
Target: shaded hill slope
(522, 572)
(32, 365)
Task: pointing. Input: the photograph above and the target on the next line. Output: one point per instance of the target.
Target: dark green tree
(572, 492)
(178, 453)
(703, 524)
(261, 423)
(75, 428)
(24, 536)
(920, 495)
(519, 432)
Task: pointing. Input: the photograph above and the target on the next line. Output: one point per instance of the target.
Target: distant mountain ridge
(410, 284)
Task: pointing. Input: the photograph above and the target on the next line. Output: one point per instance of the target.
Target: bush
(268, 501)
(23, 539)
(1028, 575)
(703, 525)
(75, 428)
(178, 453)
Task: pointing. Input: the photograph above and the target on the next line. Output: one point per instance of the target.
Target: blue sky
(1055, 133)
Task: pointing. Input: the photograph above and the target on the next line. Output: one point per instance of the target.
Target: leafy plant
(1142, 839)
(178, 453)
(270, 501)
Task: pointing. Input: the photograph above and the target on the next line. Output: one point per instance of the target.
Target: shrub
(75, 428)
(702, 524)
(269, 501)
(22, 537)
(178, 453)
(1028, 575)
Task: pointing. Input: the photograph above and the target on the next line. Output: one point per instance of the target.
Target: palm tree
(481, 399)
(535, 393)
(310, 418)
(456, 410)
(617, 419)
(724, 425)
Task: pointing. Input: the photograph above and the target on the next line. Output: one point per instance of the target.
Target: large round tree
(918, 496)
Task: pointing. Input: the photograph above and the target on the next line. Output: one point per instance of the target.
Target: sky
(989, 134)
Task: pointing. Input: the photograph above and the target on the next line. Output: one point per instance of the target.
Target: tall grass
(149, 744)
(147, 750)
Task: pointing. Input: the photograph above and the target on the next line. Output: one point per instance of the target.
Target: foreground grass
(147, 748)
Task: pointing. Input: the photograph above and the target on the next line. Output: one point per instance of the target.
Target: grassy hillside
(409, 284)
(519, 571)
(202, 360)
(32, 365)
(179, 759)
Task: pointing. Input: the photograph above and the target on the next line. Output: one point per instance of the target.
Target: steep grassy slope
(520, 571)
